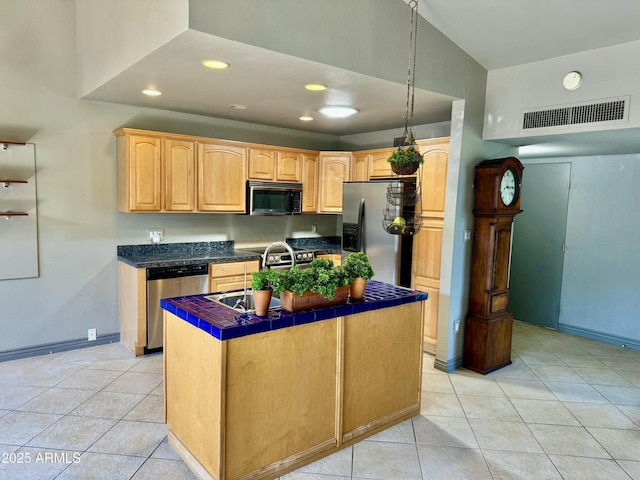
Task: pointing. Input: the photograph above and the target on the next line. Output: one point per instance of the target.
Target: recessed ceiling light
(336, 111)
(152, 92)
(237, 106)
(217, 64)
(315, 87)
(305, 118)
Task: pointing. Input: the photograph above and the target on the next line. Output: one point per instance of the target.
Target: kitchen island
(250, 397)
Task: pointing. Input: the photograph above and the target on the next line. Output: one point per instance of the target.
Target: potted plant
(405, 160)
(320, 285)
(262, 290)
(359, 270)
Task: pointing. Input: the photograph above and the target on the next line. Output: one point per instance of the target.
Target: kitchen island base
(262, 405)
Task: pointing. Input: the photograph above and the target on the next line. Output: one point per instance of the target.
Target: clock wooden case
(488, 328)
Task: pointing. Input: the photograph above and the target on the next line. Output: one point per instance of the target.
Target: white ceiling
(503, 33)
(497, 33)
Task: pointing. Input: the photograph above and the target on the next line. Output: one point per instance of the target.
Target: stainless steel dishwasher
(167, 282)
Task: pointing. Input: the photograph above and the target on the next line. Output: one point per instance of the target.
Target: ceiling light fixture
(237, 106)
(215, 64)
(338, 111)
(152, 92)
(315, 87)
(305, 118)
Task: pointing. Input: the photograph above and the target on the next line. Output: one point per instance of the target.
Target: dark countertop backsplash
(175, 254)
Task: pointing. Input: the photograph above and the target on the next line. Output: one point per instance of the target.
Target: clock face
(509, 187)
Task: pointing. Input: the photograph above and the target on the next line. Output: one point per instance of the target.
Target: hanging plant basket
(405, 160)
(404, 169)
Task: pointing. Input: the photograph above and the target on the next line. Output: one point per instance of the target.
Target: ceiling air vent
(605, 112)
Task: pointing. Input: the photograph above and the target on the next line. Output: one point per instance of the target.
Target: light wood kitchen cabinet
(262, 164)
(179, 161)
(288, 166)
(360, 167)
(379, 383)
(224, 277)
(378, 165)
(139, 172)
(427, 244)
(336, 258)
(334, 168)
(261, 405)
(274, 165)
(133, 307)
(309, 183)
(222, 173)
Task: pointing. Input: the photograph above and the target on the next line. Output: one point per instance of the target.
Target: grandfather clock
(488, 328)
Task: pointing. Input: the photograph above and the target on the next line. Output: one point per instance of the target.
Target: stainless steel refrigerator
(366, 209)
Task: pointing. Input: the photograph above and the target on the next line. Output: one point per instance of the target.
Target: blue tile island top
(225, 323)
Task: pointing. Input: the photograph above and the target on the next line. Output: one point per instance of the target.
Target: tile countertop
(176, 254)
(224, 323)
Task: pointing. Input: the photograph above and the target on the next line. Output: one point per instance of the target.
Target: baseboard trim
(600, 336)
(48, 348)
(448, 366)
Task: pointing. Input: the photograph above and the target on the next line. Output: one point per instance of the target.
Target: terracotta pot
(357, 288)
(261, 300)
(308, 300)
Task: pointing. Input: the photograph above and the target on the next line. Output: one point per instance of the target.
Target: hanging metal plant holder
(403, 212)
(408, 195)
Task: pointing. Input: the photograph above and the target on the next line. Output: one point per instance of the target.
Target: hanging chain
(411, 72)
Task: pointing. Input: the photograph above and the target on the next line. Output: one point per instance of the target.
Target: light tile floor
(567, 408)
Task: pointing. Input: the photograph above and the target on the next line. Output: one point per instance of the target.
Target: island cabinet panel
(193, 394)
(381, 369)
(268, 400)
(265, 404)
(222, 173)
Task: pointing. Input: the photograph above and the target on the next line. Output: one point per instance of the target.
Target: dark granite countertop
(319, 244)
(224, 323)
(176, 254)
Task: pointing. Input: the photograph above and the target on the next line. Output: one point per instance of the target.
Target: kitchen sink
(235, 300)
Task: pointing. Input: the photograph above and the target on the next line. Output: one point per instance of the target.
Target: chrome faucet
(278, 244)
(242, 302)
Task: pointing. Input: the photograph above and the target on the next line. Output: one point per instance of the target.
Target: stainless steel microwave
(274, 198)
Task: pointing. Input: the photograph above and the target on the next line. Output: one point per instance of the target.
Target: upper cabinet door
(262, 164)
(378, 165)
(222, 174)
(309, 183)
(139, 173)
(335, 168)
(288, 167)
(179, 166)
(360, 167)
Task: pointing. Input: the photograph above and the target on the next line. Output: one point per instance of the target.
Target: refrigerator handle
(361, 225)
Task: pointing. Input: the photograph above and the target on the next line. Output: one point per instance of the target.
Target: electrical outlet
(91, 334)
(155, 235)
(467, 235)
(456, 326)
